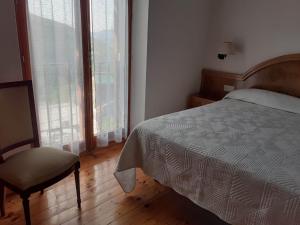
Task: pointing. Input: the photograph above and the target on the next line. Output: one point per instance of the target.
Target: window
(55, 47)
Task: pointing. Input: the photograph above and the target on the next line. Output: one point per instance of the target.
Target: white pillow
(267, 98)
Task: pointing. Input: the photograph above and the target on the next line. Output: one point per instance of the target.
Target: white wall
(10, 64)
(262, 29)
(176, 40)
(139, 61)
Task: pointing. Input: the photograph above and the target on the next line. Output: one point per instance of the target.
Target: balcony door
(76, 53)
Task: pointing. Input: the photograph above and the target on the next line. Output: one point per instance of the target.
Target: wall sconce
(227, 49)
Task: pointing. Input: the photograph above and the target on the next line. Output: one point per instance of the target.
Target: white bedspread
(236, 159)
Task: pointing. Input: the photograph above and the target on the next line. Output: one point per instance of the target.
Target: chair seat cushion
(35, 166)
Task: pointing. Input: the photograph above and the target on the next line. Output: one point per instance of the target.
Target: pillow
(267, 98)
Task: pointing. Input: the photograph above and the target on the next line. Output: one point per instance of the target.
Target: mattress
(237, 158)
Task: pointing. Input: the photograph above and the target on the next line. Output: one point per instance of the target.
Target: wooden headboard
(281, 74)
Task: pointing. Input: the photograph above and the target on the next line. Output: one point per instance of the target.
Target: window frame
(22, 30)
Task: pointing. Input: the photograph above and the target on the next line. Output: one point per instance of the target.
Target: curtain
(56, 61)
(109, 39)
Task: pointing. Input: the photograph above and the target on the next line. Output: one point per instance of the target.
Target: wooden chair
(34, 169)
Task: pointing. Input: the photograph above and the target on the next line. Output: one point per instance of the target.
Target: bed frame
(281, 74)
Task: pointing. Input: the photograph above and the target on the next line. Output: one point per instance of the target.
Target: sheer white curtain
(56, 60)
(109, 28)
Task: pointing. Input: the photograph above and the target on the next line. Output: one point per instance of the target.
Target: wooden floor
(104, 202)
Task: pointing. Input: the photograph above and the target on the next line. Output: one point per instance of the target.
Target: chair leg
(77, 182)
(2, 199)
(26, 209)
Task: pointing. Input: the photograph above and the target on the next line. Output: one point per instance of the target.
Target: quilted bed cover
(237, 159)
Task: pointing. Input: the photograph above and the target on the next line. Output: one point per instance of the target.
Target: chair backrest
(18, 125)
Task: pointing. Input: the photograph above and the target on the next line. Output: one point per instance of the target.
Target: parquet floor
(104, 202)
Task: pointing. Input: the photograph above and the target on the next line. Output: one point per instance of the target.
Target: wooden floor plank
(104, 202)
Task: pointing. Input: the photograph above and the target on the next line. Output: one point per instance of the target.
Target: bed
(238, 158)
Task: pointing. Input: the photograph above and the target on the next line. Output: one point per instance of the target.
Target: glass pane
(109, 65)
(56, 58)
